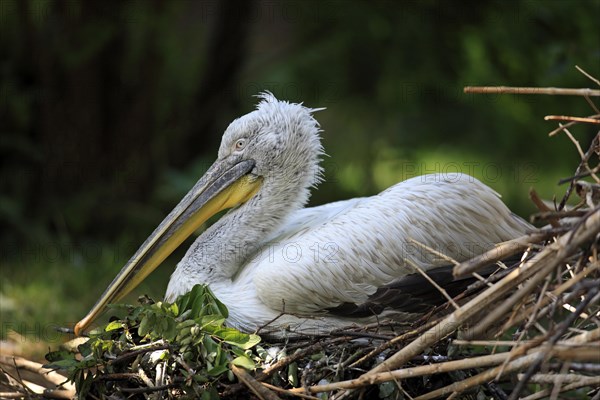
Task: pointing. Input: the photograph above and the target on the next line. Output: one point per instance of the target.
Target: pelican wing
(414, 293)
(410, 294)
(356, 257)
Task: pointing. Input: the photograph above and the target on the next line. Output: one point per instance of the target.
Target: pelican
(273, 262)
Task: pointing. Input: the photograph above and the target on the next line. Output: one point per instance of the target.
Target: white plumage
(282, 257)
(324, 267)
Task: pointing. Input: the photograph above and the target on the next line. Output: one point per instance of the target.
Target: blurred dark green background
(110, 110)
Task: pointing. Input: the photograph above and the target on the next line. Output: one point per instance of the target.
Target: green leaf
(218, 307)
(223, 356)
(252, 341)
(209, 345)
(163, 324)
(293, 374)
(387, 389)
(244, 362)
(183, 302)
(85, 385)
(218, 370)
(62, 364)
(238, 351)
(174, 309)
(262, 353)
(197, 292)
(200, 378)
(198, 306)
(85, 348)
(171, 330)
(210, 357)
(59, 355)
(113, 326)
(96, 331)
(215, 320)
(145, 325)
(237, 338)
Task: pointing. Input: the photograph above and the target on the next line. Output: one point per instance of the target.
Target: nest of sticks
(530, 332)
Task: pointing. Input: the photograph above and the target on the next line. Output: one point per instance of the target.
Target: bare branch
(531, 90)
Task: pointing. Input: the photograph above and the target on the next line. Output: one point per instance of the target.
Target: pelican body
(273, 262)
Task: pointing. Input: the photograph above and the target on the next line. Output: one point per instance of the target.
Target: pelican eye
(240, 144)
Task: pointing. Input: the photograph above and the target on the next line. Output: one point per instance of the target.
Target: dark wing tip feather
(411, 294)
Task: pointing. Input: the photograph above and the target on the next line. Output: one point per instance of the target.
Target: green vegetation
(185, 342)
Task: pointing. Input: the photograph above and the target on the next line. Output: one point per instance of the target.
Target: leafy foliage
(182, 346)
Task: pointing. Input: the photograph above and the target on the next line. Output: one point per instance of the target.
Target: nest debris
(529, 332)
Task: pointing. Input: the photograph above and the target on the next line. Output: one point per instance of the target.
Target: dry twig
(547, 259)
(255, 386)
(531, 90)
(573, 119)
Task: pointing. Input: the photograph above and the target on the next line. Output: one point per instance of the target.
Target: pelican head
(282, 140)
(271, 153)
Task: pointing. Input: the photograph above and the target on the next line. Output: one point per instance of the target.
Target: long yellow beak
(224, 185)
